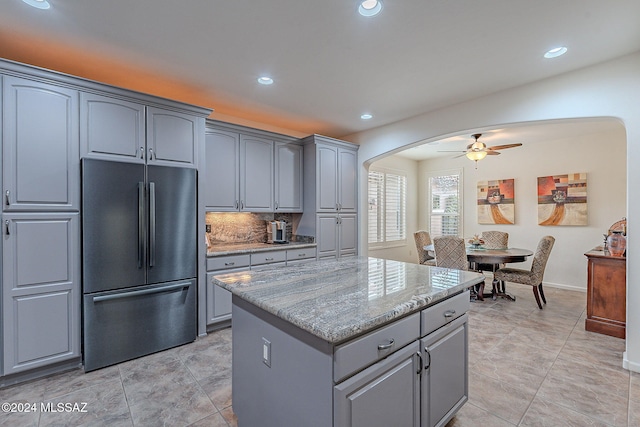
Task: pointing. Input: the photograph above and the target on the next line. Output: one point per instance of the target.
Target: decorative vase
(616, 243)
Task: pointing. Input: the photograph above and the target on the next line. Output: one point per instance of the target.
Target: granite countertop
(338, 300)
(248, 248)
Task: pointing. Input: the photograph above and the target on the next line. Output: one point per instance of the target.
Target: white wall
(404, 251)
(610, 89)
(606, 196)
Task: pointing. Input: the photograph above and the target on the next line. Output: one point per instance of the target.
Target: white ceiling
(330, 64)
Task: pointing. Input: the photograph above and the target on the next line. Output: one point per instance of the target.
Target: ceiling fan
(478, 150)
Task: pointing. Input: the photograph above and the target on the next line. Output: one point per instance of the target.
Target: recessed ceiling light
(555, 52)
(369, 7)
(366, 116)
(265, 80)
(40, 4)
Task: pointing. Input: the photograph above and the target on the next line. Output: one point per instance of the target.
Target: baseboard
(565, 287)
(631, 366)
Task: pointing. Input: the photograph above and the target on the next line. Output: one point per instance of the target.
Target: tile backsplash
(245, 227)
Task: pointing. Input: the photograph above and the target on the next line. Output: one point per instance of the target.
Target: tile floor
(529, 367)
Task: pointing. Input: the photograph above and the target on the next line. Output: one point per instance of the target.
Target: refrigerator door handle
(140, 224)
(152, 224)
(142, 292)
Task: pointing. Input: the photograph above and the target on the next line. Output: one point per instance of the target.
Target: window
(445, 204)
(387, 207)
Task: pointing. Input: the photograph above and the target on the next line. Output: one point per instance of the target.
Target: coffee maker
(277, 232)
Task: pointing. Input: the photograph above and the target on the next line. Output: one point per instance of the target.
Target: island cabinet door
(385, 394)
(445, 386)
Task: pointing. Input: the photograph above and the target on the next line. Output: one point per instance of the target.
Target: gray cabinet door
(326, 178)
(348, 230)
(41, 290)
(445, 385)
(172, 137)
(111, 128)
(222, 192)
(385, 394)
(218, 299)
(327, 235)
(288, 177)
(40, 165)
(347, 180)
(256, 174)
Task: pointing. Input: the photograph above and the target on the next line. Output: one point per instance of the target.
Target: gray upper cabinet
(40, 147)
(117, 129)
(288, 177)
(172, 137)
(240, 172)
(222, 150)
(256, 174)
(112, 128)
(336, 182)
(40, 289)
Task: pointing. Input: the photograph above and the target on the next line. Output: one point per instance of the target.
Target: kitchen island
(353, 342)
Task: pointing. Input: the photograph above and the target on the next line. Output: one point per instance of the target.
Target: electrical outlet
(266, 352)
(207, 228)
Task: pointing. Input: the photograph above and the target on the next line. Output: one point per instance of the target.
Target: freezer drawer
(123, 325)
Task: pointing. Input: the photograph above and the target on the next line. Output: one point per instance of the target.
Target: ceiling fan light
(476, 155)
(478, 146)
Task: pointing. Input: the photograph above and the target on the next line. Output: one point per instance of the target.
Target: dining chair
(534, 276)
(423, 238)
(451, 253)
(494, 239)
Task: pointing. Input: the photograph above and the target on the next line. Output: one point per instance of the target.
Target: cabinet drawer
(229, 261)
(294, 254)
(362, 352)
(443, 312)
(268, 257)
(268, 266)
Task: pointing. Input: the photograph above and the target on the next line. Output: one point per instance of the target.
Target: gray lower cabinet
(41, 290)
(411, 372)
(218, 299)
(385, 394)
(40, 145)
(337, 235)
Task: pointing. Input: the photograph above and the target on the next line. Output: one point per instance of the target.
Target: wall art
(496, 202)
(562, 199)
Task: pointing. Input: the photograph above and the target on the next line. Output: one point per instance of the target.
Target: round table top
(497, 256)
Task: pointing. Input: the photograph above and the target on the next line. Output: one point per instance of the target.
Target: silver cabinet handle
(229, 264)
(449, 313)
(386, 346)
(337, 207)
(236, 204)
(427, 365)
(151, 154)
(142, 152)
(276, 205)
(152, 224)
(268, 259)
(420, 362)
(7, 199)
(241, 205)
(140, 224)
(302, 254)
(6, 226)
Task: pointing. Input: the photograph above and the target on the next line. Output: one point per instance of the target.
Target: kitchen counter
(339, 343)
(248, 248)
(338, 300)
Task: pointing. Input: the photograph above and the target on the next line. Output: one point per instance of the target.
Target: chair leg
(542, 293)
(481, 291)
(537, 295)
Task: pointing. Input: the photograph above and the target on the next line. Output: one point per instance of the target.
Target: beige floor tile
(215, 420)
(545, 414)
(472, 416)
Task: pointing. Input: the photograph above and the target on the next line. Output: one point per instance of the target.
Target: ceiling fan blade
(502, 147)
(451, 151)
(492, 153)
(460, 155)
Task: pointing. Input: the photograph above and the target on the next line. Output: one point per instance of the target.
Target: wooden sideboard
(606, 293)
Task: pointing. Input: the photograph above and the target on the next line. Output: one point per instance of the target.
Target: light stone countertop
(248, 248)
(338, 300)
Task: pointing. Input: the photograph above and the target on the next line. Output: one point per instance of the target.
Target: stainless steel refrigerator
(139, 260)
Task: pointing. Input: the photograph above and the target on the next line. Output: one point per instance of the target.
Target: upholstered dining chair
(534, 276)
(494, 240)
(423, 238)
(451, 253)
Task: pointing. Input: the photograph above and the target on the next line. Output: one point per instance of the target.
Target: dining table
(477, 255)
